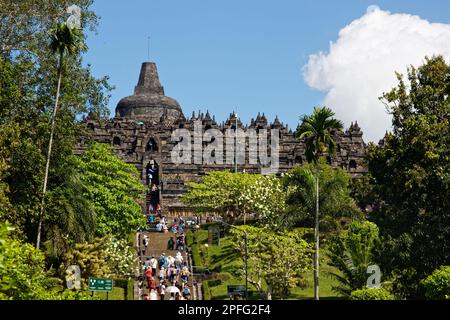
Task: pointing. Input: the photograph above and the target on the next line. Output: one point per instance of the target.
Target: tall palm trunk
(316, 233)
(49, 152)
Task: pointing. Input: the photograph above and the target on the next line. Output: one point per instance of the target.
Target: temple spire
(149, 80)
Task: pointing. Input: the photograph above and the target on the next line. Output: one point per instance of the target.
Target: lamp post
(245, 238)
(235, 144)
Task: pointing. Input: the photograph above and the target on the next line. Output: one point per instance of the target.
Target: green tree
(276, 261)
(316, 130)
(351, 253)
(28, 81)
(335, 201)
(410, 169)
(114, 189)
(65, 42)
(236, 194)
(91, 258)
(23, 275)
(437, 284)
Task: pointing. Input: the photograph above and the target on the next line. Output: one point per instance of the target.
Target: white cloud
(361, 64)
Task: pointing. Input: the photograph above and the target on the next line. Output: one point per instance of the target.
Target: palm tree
(65, 42)
(316, 129)
(335, 201)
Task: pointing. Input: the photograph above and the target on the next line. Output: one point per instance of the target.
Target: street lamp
(245, 238)
(236, 143)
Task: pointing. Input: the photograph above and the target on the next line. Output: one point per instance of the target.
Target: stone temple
(141, 134)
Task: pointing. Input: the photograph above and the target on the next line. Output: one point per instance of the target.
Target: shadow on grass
(227, 255)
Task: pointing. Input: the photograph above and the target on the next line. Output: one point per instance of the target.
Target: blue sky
(229, 55)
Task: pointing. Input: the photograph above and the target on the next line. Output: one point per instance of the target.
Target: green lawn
(118, 293)
(225, 261)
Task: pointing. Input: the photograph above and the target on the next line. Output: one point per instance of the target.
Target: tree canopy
(276, 261)
(234, 194)
(410, 173)
(114, 189)
(336, 204)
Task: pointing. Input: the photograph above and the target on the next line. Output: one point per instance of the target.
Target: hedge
(371, 294)
(437, 285)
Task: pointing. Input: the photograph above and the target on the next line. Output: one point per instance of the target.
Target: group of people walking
(167, 276)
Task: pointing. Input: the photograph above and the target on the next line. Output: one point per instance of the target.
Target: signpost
(101, 285)
(236, 290)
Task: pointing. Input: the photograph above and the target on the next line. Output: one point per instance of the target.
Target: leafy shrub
(371, 294)
(214, 282)
(437, 285)
(206, 290)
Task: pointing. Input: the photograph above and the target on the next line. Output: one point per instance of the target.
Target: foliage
(437, 284)
(27, 89)
(235, 194)
(371, 294)
(352, 252)
(121, 258)
(25, 23)
(114, 189)
(317, 131)
(410, 171)
(335, 202)
(277, 260)
(23, 275)
(91, 258)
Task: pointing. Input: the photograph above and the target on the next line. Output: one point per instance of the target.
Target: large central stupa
(149, 102)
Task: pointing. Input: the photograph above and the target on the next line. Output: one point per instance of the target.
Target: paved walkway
(157, 245)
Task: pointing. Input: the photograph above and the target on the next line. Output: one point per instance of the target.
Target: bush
(371, 294)
(214, 282)
(437, 285)
(196, 259)
(217, 268)
(206, 290)
(189, 238)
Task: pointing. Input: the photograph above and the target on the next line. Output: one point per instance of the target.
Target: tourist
(162, 260)
(159, 227)
(145, 244)
(147, 264)
(153, 295)
(179, 257)
(162, 274)
(162, 290)
(145, 296)
(186, 293)
(170, 244)
(148, 276)
(152, 284)
(153, 263)
(185, 275)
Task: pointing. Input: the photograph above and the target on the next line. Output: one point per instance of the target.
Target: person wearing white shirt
(153, 264)
(153, 295)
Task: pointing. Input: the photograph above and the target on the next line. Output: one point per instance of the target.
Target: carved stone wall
(141, 132)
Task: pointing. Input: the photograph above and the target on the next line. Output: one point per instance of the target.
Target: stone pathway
(157, 245)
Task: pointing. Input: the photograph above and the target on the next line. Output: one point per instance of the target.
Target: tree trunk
(316, 233)
(269, 293)
(47, 166)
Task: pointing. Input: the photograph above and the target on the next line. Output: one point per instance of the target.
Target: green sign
(234, 290)
(98, 284)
